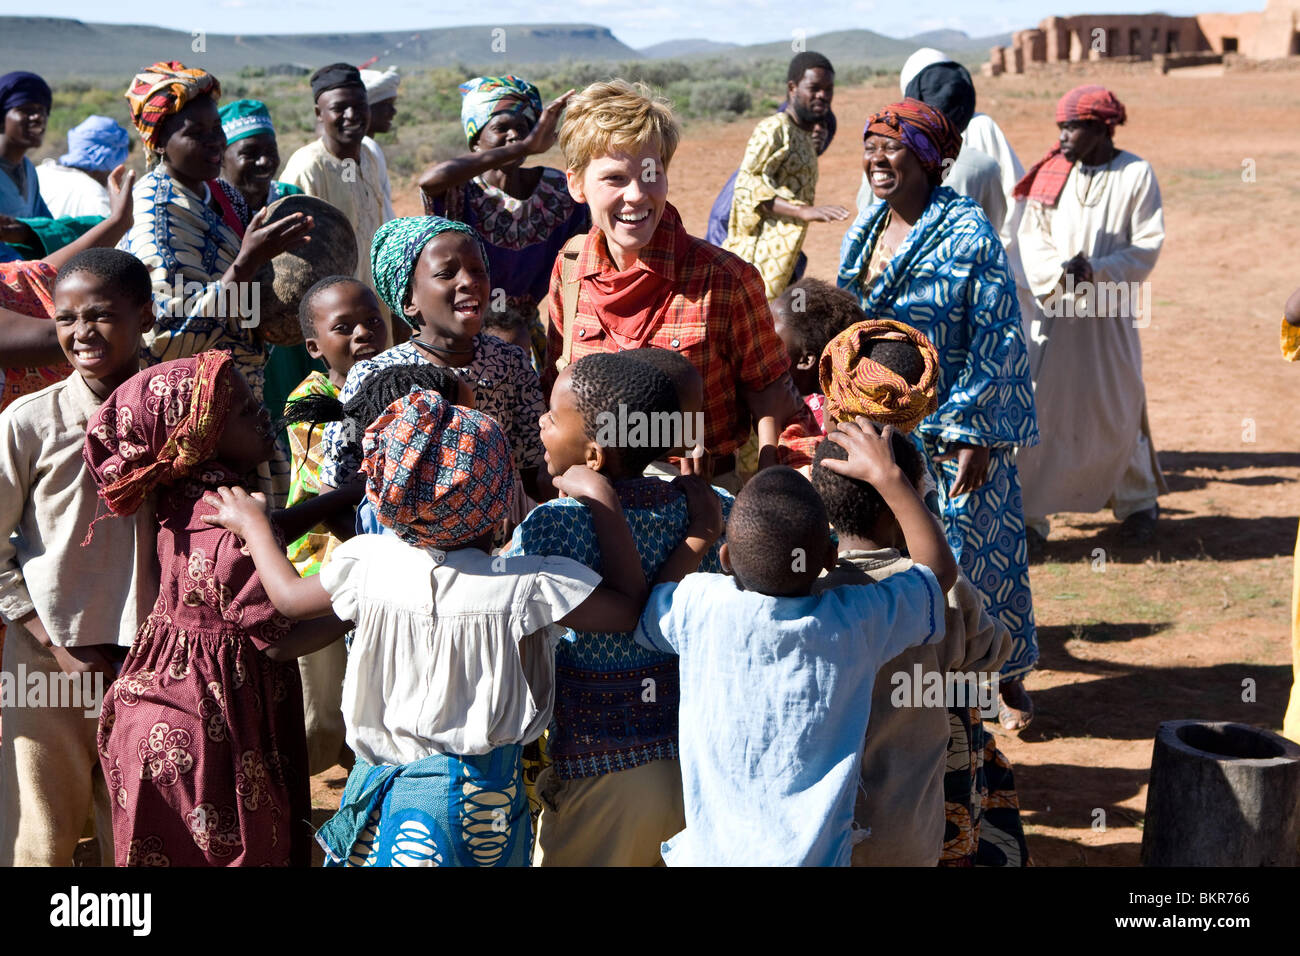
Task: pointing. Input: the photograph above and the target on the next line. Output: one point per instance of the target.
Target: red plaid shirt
(718, 318)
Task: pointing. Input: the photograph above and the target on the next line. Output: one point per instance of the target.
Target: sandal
(1015, 718)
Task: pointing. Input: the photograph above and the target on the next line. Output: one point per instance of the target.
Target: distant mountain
(61, 48)
(856, 46)
(955, 41)
(675, 49)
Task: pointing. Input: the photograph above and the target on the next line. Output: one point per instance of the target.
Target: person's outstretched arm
(705, 528)
(297, 598)
(871, 459)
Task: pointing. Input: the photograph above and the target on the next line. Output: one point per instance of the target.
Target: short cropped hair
(777, 534)
(854, 506)
(306, 318)
(675, 365)
(602, 381)
(803, 62)
(901, 358)
(825, 312)
(615, 116)
(123, 272)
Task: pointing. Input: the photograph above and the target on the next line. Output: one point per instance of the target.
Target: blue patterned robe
(950, 279)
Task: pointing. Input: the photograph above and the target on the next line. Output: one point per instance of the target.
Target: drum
(286, 278)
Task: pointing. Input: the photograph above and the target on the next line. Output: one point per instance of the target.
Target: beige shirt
(357, 189)
(900, 801)
(99, 594)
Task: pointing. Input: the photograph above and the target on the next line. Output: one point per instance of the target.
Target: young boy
(342, 324)
(613, 793)
(901, 801)
(776, 681)
(72, 611)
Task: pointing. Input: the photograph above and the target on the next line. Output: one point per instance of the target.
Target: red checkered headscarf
(161, 91)
(922, 129)
(1046, 178)
(856, 385)
(437, 474)
(157, 427)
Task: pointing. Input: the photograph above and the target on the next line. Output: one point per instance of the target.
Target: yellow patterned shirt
(313, 549)
(1290, 341)
(780, 161)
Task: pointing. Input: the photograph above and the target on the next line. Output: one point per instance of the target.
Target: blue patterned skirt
(986, 531)
(440, 811)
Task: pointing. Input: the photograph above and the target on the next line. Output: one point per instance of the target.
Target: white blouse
(454, 651)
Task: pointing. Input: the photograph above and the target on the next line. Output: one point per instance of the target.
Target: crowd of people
(575, 538)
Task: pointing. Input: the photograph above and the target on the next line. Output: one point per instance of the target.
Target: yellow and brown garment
(856, 385)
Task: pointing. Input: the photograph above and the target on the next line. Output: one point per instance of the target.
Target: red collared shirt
(718, 318)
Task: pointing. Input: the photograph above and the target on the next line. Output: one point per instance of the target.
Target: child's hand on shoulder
(871, 457)
(237, 510)
(704, 507)
(579, 481)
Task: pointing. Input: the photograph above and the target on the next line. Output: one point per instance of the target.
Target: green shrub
(714, 97)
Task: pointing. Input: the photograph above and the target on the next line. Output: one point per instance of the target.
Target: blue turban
(96, 143)
(20, 88)
(483, 96)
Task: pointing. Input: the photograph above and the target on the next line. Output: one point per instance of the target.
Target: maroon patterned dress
(202, 738)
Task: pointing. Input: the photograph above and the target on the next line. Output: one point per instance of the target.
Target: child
(511, 326)
(613, 791)
(776, 681)
(431, 272)
(201, 739)
(689, 384)
(452, 667)
(807, 315)
(72, 611)
(900, 803)
(342, 324)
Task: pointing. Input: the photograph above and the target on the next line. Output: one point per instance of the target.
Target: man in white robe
(1090, 235)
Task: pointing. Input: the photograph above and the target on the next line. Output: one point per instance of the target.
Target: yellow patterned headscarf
(856, 385)
(161, 91)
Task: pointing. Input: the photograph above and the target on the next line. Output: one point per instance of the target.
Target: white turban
(380, 86)
(918, 61)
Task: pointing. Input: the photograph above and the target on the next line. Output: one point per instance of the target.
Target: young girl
(452, 668)
(201, 739)
(432, 272)
(807, 315)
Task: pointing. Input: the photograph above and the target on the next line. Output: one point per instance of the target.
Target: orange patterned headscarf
(856, 385)
(157, 426)
(161, 91)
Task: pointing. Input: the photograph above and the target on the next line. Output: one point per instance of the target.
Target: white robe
(1087, 368)
(70, 192)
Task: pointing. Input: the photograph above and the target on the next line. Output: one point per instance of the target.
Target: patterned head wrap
(395, 250)
(483, 94)
(162, 91)
(438, 475)
(20, 88)
(157, 426)
(244, 118)
(96, 143)
(380, 86)
(922, 129)
(1046, 178)
(856, 385)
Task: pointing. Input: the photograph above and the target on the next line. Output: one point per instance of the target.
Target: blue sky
(637, 23)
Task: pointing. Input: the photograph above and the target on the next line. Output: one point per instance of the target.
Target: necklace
(1098, 175)
(439, 350)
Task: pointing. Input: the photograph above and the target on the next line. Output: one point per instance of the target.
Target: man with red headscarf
(1090, 236)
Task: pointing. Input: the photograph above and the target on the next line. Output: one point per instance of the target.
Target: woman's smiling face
(626, 193)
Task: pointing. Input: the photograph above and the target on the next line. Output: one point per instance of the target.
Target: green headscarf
(396, 248)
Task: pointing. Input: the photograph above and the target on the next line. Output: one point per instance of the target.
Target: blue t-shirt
(775, 701)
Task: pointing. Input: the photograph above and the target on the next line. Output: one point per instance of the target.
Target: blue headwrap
(96, 143)
(483, 93)
(20, 88)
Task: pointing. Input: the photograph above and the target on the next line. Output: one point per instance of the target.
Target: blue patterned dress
(950, 279)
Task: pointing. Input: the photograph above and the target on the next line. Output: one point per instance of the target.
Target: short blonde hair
(615, 116)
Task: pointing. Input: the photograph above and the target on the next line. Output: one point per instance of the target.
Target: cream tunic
(1087, 367)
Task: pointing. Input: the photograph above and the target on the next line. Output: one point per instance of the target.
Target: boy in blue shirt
(776, 683)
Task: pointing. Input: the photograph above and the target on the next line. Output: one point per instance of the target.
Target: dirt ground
(1189, 628)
